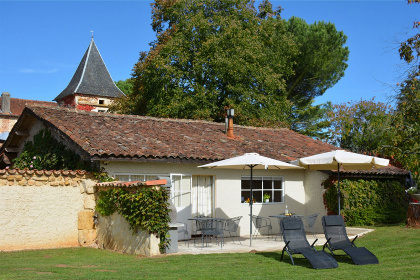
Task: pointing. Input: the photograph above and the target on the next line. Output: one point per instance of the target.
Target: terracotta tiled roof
(388, 170)
(17, 105)
(108, 136)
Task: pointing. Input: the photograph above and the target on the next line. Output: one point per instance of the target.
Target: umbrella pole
(250, 205)
(338, 187)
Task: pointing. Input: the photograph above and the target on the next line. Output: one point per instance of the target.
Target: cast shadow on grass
(300, 260)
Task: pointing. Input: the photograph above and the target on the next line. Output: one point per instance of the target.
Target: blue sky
(42, 42)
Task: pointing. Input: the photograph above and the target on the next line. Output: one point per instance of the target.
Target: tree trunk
(413, 215)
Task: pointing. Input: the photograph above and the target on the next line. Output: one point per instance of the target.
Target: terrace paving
(259, 244)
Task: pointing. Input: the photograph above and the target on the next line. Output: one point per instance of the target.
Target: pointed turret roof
(91, 77)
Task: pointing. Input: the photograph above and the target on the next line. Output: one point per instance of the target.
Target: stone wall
(46, 209)
(114, 233)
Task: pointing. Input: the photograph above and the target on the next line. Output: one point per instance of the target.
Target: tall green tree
(312, 120)
(320, 62)
(213, 54)
(362, 127)
(404, 147)
(125, 86)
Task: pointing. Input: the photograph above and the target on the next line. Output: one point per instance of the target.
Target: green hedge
(367, 202)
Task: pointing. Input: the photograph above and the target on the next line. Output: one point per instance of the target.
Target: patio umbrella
(347, 160)
(251, 161)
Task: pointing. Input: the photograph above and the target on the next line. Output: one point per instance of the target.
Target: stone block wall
(46, 209)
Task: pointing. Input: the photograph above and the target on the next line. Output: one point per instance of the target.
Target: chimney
(229, 130)
(5, 103)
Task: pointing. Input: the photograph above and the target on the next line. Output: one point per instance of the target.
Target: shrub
(367, 202)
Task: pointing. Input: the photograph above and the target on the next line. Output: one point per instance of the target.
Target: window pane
(245, 184)
(268, 183)
(245, 196)
(137, 178)
(257, 196)
(278, 196)
(122, 177)
(278, 184)
(150, 177)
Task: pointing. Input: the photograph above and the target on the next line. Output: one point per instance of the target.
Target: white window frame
(262, 190)
(130, 176)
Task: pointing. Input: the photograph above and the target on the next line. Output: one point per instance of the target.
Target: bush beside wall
(367, 202)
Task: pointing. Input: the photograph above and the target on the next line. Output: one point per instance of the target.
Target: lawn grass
(397, 248)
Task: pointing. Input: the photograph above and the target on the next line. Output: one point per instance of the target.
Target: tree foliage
(361, 127)
(312, 120)
(213, 54)
(410, 49)
(320, 61)
(404, 147)
(125, 86)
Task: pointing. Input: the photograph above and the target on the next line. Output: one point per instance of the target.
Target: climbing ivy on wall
(147, 209)
(367, 202)
(46, 153)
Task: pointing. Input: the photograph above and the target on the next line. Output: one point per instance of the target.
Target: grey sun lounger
(337, 239)
(296, 243)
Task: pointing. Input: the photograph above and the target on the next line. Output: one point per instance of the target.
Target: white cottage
(133, 148)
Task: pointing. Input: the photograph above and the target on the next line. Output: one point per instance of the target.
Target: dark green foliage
(211, 55)
(368, 202)
(320, 62)
(125, 86)
(46, 153)
(147, 209)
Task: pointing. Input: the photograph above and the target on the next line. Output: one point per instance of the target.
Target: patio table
(282, 216)
(210, 226)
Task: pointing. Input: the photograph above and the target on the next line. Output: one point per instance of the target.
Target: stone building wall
(46, 209)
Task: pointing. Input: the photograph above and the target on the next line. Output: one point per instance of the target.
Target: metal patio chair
(261, 222)
(310, 220)
(184, 230)
(231, 226)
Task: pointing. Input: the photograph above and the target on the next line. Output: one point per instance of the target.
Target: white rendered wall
(300, 199)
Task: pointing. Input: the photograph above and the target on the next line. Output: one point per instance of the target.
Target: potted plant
(414, 193)
(267, 197)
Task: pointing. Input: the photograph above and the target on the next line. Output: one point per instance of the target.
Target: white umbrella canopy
(339, 158)
(253, 161)
(250, 159)
(347, 160)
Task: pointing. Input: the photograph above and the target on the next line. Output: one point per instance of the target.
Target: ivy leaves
(46, 153)
(147, 209)
(368, 202)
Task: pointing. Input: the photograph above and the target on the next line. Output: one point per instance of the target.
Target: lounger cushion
(292, 225)
(333, 220)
